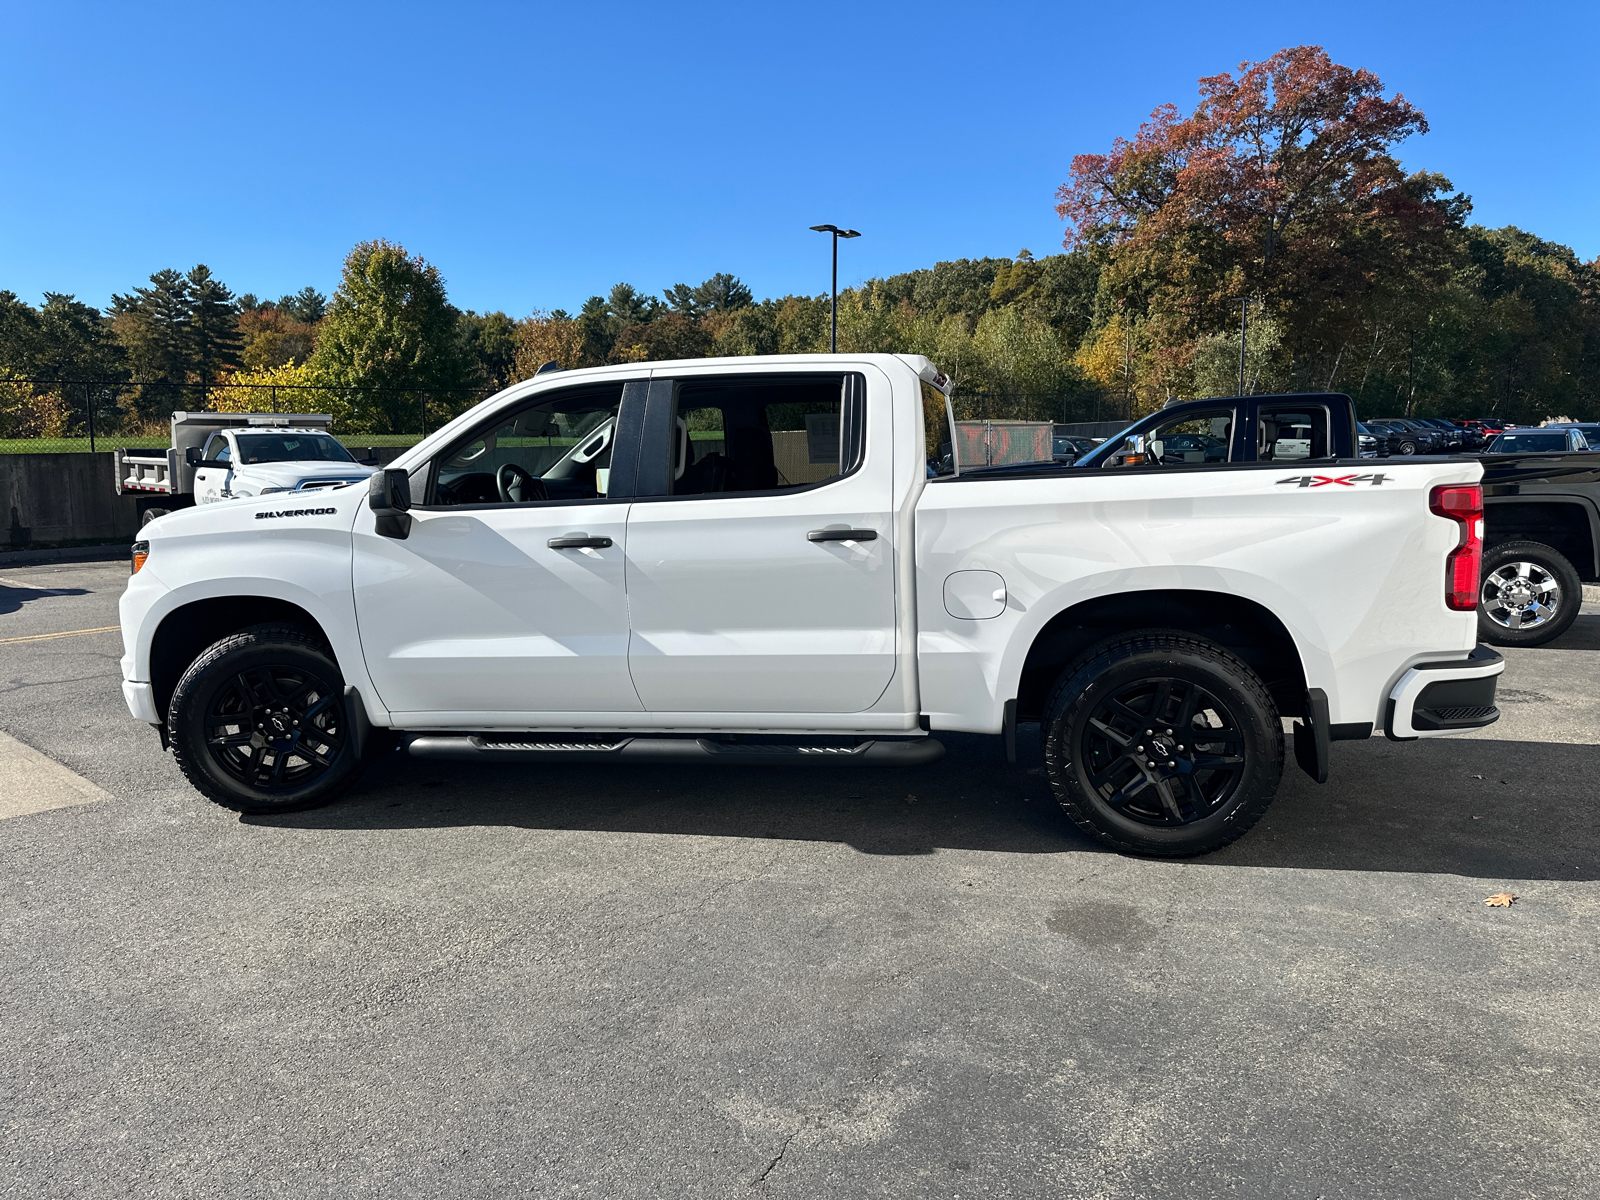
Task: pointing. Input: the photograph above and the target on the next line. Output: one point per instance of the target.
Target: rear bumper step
(908, 752)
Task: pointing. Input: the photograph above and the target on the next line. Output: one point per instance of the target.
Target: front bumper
(141, 700)
(1436, 698)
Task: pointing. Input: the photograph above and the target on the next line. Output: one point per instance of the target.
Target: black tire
(1192, 800)
(1528, 594)
(1408, 447)
(150, 514)
(280, 679)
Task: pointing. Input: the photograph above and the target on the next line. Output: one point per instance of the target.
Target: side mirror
(1130, 453)
(389, 495)
(191, 456)
(389, 490)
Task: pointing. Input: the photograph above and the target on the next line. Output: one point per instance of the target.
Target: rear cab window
(1288, 433)
(772, 433)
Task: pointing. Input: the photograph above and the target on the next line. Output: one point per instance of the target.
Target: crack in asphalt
(782, 1150)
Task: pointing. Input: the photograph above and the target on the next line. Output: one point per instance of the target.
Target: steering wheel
(517, 486)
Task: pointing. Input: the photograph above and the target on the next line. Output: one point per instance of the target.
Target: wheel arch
(1569, 525)
(189, 628)
(1245, 627)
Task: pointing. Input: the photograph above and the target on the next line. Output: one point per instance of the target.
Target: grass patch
(104, 445)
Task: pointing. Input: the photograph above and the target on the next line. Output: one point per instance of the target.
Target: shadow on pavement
(13, 598)
(1584, 635)
(1490, 809)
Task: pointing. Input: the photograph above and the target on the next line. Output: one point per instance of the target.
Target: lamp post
(1244, 322)
(833, 327)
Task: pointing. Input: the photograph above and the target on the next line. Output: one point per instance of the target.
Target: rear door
(760, 557)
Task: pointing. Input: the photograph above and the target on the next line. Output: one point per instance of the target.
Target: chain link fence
(55, 416)
(1061, 409)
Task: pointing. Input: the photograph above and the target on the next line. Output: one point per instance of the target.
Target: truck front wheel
(1162, 744)
(258, 722)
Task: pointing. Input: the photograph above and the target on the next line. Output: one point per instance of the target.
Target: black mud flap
(1311, 736)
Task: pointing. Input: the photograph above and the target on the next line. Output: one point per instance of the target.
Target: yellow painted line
(45, 637)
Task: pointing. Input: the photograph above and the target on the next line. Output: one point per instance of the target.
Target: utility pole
(833, 325)
(1411, 373)
(1244, 321)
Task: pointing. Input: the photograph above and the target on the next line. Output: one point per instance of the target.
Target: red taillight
(1463, 504)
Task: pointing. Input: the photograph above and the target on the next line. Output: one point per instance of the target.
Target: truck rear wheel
(1530, 594)
(258, 722)
(1159, 743)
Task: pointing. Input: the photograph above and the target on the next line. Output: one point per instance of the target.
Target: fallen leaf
(1500, 900)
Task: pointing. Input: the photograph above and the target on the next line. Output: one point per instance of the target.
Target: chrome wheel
(1520, 595)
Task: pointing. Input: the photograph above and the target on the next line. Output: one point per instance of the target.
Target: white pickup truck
(232, 456)
(753, 560)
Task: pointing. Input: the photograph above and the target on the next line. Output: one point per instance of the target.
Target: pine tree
(213, 325)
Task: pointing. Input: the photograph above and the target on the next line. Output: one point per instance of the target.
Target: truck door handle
(578, 541)
(842, 535)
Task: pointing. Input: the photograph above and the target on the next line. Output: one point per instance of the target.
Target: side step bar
(876, 752)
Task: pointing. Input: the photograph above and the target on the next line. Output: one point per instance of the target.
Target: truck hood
(292, 474)
(281, 514)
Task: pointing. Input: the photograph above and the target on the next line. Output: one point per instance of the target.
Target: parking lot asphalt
(683, 982)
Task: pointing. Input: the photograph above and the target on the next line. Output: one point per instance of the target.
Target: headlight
(141, 551)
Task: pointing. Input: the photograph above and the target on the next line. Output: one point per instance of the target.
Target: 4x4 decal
(1343, 480)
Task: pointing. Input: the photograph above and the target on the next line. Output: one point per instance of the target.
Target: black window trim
(852, 422)
(630, 413)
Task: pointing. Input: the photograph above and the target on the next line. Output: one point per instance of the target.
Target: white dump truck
(231, 456)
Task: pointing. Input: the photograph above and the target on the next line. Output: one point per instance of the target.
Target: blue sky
(539, 153)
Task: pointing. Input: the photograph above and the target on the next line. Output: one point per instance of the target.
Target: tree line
(1278, 200)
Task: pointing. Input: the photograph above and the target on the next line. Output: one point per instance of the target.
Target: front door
(210, 483)
(763, 578)
(506, 599)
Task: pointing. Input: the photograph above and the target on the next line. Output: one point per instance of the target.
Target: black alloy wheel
(258, 722)
(1160, 743)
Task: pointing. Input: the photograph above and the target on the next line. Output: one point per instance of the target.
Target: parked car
(1559, 440)
(1405, 440)
(1428, 440)
(1068, 447)
(1370, 444)
(1541, 514)
(1454, 436)
(1589, 429)
(796, 591)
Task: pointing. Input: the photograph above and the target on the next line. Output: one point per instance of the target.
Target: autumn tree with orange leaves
(1281, 185)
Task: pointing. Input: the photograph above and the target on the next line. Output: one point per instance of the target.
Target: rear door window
(763, 434)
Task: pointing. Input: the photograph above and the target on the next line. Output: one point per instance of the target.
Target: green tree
(213, 325)
(152, 326)
(307, 305)
(491, 344)
(391, 326)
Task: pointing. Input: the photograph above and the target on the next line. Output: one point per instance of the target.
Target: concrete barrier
(56, 499)
(53, 498)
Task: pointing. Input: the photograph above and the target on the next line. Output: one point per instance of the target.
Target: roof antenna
(552, 365)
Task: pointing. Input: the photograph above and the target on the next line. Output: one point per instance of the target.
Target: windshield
(1528, 443)
(290, 447)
